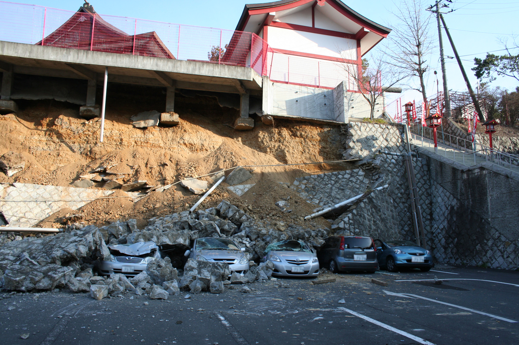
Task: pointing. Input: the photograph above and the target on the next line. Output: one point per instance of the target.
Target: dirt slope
(58, 147)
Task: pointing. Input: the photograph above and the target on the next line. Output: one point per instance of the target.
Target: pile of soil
(58, 147)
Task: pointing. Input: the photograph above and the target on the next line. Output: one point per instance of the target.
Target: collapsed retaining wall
(383, 214)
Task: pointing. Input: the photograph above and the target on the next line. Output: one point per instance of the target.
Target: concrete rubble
(11, 163)
(66, 260)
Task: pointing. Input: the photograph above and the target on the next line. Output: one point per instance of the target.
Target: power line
(480, 32)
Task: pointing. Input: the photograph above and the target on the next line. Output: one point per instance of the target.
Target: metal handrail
(477, 156)
(467, 145)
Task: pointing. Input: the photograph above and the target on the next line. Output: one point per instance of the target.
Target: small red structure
(408, 109)
(491, 129)
(86, 30)
(434, 121)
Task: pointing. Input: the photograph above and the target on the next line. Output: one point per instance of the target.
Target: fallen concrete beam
(341, 204)
(42, 230)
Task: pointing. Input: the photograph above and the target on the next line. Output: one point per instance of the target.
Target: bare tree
(373, 79)
(409, 42)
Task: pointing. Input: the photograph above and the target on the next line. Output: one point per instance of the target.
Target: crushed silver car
(129, 259)
(292, 259)
(221, 250)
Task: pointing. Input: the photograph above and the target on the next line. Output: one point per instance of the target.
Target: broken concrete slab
(171, 287)
(134, 186)
(244, 124)
(217, 287)
(195, 186)
(237, 176)
(146, 119)
(49, 262)
(98, 292)
(112, 185)
(8, 107)
(161, 271)
(83, 184)
(11, 163)
(204, 272)
(89, 112)
(241, 189)
(169, 119)
(24, 205)
(158, 293)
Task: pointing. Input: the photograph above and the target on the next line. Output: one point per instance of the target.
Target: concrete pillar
(7, 106)
(91, 93)
(170, 118)
(170, 99)
(244, 105)
(7, 84)
(90, 110)
(244, 122)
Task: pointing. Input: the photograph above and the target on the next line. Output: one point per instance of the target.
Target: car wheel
(425, 269)
(390, 264)
(333, 266)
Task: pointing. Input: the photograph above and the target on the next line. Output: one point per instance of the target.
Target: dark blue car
(399, 254)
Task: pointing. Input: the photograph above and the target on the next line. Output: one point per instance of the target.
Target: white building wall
(324, 22)
(303, 17)
(309, 71)
(310, 43)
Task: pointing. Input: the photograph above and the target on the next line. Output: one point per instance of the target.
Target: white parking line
(408, 295)
(389, 328)
(444, 272)
(237, 336)
(461, 279)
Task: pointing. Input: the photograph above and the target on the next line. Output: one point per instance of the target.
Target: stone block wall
(471, 214)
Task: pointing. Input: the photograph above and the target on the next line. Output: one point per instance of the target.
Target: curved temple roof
(261, 11)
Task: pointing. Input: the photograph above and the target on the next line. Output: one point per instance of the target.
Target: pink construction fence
(84, 30)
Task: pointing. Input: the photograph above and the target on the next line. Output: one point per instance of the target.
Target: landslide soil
(58, 147)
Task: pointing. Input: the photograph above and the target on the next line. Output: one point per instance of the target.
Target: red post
(490, 137)
(44, 23)
(220, 48)
(134, 35)
(435, 140)
(92, 40)
(288, 70)
(178, 43)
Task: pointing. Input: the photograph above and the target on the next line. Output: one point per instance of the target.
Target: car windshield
(288, 245)
(401, 243)
(215, 243)
(358, 242)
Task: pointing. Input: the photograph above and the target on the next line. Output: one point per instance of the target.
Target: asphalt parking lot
(444, 306)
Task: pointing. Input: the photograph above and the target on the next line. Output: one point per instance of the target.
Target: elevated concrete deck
(127, 69)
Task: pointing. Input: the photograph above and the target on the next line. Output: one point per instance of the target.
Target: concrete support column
(7, 84)
(244, 105)
(266, 118)
(91, 93)
(91, 109)
(6, 104)
(170, 99)
(244, 122)
(170, 118)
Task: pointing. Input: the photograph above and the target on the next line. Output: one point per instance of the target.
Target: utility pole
(467, 82)
(442, 57)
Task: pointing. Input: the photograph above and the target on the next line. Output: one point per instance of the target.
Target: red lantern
(490, 125)
(408, 109)
(434, 121)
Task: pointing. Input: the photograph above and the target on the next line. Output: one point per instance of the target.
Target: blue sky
(476, 25)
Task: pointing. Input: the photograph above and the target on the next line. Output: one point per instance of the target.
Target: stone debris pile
(67, 260)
